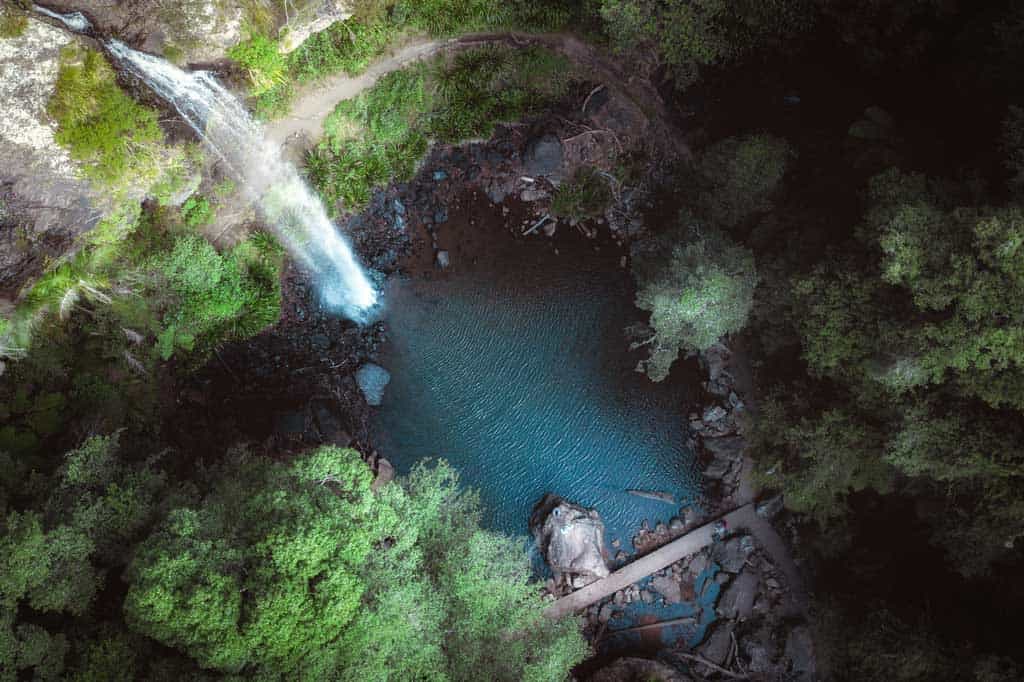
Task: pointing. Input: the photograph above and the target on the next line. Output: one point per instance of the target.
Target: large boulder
(543, 156)
(571, 538)
(44, 204)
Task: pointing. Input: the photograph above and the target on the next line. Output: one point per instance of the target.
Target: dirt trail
(314, 102)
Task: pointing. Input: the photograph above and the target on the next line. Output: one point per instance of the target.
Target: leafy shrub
(116, 138)
(260, 57)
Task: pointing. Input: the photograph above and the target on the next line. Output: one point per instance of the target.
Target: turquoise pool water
(518, 375)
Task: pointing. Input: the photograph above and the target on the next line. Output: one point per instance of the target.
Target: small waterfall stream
(288, 205)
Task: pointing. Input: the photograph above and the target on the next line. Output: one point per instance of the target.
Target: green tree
(698, 286)
(264, 574)
(689, 36)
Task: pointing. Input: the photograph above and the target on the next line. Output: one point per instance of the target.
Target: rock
(543, 156)
(619, 598)
(698, 564)
(443, 260)
(717, 469)
(570, 537)
(715, 358)
(770, 508)
(385, 474)
(646, 597)
(717, 646)
(605, 614)
(732, 554)
(713, 414)
(439, 176)
(313, 18)
(441, 216)
(800, 651)
(621, 556)
(533, 194)
(676, 525)
(550, 228)
(727, 447)
(44, 203)
(616, 543)
(661, 530)
(669, 588)
(638, 670)
(737, 601)
(372, 379)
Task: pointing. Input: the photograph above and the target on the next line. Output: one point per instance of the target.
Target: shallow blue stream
(518, 376)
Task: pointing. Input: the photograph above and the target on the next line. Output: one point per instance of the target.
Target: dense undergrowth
(382, 134)
(350, 46)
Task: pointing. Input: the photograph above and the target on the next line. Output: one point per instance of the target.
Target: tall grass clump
(116, 139)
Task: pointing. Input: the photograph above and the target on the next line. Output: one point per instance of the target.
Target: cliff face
(43, 203)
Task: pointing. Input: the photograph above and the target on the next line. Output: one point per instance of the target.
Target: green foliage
(12, 23)
(449, 17)
(586, 195)
(698, 286)
(264, 574)
(116, 138)
(739, 175)
(382, 134)
(262, 61)
(207, 297)
(690, 35)
(453, 601)
(196, 211)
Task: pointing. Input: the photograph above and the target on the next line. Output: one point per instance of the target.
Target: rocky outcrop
(571, 538)
(185, 31)
(313, 19)
(43, 202)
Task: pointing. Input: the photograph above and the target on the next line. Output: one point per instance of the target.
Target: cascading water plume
(288, 204)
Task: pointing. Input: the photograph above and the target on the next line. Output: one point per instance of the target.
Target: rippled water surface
(519, 378)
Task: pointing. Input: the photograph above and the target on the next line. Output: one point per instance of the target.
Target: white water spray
(288, 204)
(76, 21)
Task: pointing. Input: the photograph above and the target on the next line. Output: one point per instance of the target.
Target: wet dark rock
(372, 379)
(737, 601)
(443, 259)
(717, 646)
(320, 341)
(800, 650)
(543, 156)
(732, 554)
(441, 216)
(770, 508)
(439, 175)
(713, 414)
(290, 424)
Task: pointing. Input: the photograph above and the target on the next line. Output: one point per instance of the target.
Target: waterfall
(76, 21)
(288, 205)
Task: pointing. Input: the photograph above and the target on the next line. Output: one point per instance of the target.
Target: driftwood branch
(547, 217)
(593, 92)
